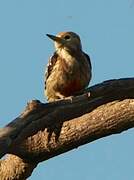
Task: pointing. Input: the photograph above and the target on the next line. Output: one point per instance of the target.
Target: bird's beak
(56, 38)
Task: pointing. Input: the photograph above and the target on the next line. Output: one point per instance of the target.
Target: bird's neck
(67, 54)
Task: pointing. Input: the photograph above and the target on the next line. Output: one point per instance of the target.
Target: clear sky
(106, 28)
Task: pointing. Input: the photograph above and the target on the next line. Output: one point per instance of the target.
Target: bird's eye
(67, 37)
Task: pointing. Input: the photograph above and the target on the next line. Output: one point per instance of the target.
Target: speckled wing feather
(50, 65)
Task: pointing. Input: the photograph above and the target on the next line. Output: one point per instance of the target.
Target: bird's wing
(88, 58)
(50, 65)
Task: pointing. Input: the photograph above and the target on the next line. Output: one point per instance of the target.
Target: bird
(69, 69)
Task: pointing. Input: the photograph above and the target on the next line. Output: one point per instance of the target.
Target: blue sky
(107, 32)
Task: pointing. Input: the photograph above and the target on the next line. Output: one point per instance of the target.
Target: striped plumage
(69, 68)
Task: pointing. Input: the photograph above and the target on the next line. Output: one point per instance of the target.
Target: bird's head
(69, 41)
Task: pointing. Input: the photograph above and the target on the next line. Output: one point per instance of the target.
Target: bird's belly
(70, 81)
(71, 87)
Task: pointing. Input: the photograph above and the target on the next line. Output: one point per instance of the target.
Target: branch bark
(43, 131)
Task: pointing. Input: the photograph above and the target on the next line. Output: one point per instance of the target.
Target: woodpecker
(69, 68)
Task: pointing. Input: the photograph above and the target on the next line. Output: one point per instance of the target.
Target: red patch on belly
(72, 87)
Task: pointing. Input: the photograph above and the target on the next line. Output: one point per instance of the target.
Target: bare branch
(46, 130)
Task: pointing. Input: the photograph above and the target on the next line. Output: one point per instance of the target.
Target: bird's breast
(72, 74)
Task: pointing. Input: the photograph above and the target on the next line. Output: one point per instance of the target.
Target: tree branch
(43, 131)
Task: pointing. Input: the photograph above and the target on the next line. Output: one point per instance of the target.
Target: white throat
(65, 54)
